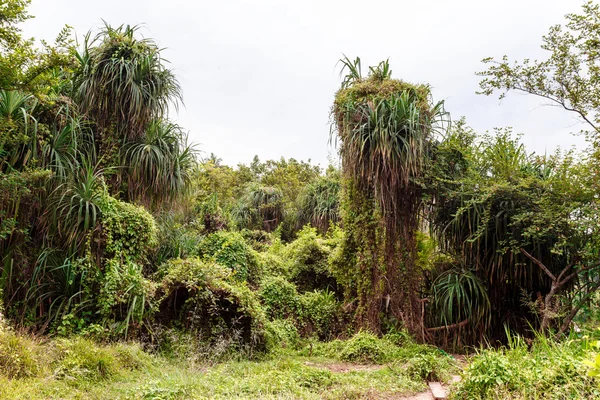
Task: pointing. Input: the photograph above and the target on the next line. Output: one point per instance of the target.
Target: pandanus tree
(319, 203)
(159, 163)
(261, 207)
(385, 129)
(123, 84)
(524, 227)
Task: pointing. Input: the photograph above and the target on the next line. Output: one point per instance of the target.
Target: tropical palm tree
(73, 208)
(505, 210)
(260, 207)
(18, 141)
(122, 82)
(159, 164)
(385, 128)
(319, 203)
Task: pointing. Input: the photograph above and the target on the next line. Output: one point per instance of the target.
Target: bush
(429, 365)
(176, 239)
(114, 291)
(282, 333)
(127, 231)
(488, 371)
(308, 255)
(205, 298)
(546, 370)
(313, 378)
(366, 347)
(132, 357)
(231, 250)
(259, 240)
(124, 295)
(70, 359)
(319, 313)
(274, 264)
(82, 359)
(280, 298)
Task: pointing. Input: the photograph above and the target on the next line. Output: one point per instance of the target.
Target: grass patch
(78, 368)
(542, 370)
(18, 355)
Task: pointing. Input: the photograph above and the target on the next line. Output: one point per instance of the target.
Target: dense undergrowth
(538, 369)
(130, 267)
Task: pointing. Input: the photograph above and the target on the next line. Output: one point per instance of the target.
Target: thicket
(112, 226)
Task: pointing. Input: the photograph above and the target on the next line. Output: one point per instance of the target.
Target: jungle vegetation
(426, 235)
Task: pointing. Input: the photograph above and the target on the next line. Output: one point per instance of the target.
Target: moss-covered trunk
(384, 126)
(385, 280)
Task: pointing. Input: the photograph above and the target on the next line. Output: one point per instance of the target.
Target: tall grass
(524, 369)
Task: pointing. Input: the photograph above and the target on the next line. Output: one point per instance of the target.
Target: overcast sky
(259, 76)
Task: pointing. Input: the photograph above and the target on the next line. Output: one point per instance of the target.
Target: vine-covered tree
(385, 127)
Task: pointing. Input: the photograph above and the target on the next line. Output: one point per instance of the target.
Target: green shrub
(308, 255)
(18, 358)
(318, 313)
(114, 292)
(282, 333)
(124, 295)
(545, 370)
(280, 298)
(366, 347)
(429, 365)
(259, 240)
(488, 372)
(132, 357)
(176, 239)
(313, 378)
(127, 231)
(274, 264)
(231, 250)
(205, 298)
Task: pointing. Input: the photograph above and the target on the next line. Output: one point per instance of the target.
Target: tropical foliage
(428, 233)
(386, 129)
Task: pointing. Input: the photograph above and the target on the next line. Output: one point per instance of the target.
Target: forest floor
(80, 369)
(282, 378)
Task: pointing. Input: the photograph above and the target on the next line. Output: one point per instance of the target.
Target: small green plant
(539, 369)
(231, 250)
(313, 378)
(319, 311)
(18, 358)
(82, 359)
(429, 366)
(366, 347)
(594, 363)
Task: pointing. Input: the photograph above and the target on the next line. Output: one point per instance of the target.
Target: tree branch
(440, 328)
(565, 325)
(539, 264)
(561, 103)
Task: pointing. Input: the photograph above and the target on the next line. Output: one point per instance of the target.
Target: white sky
(259, 76)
